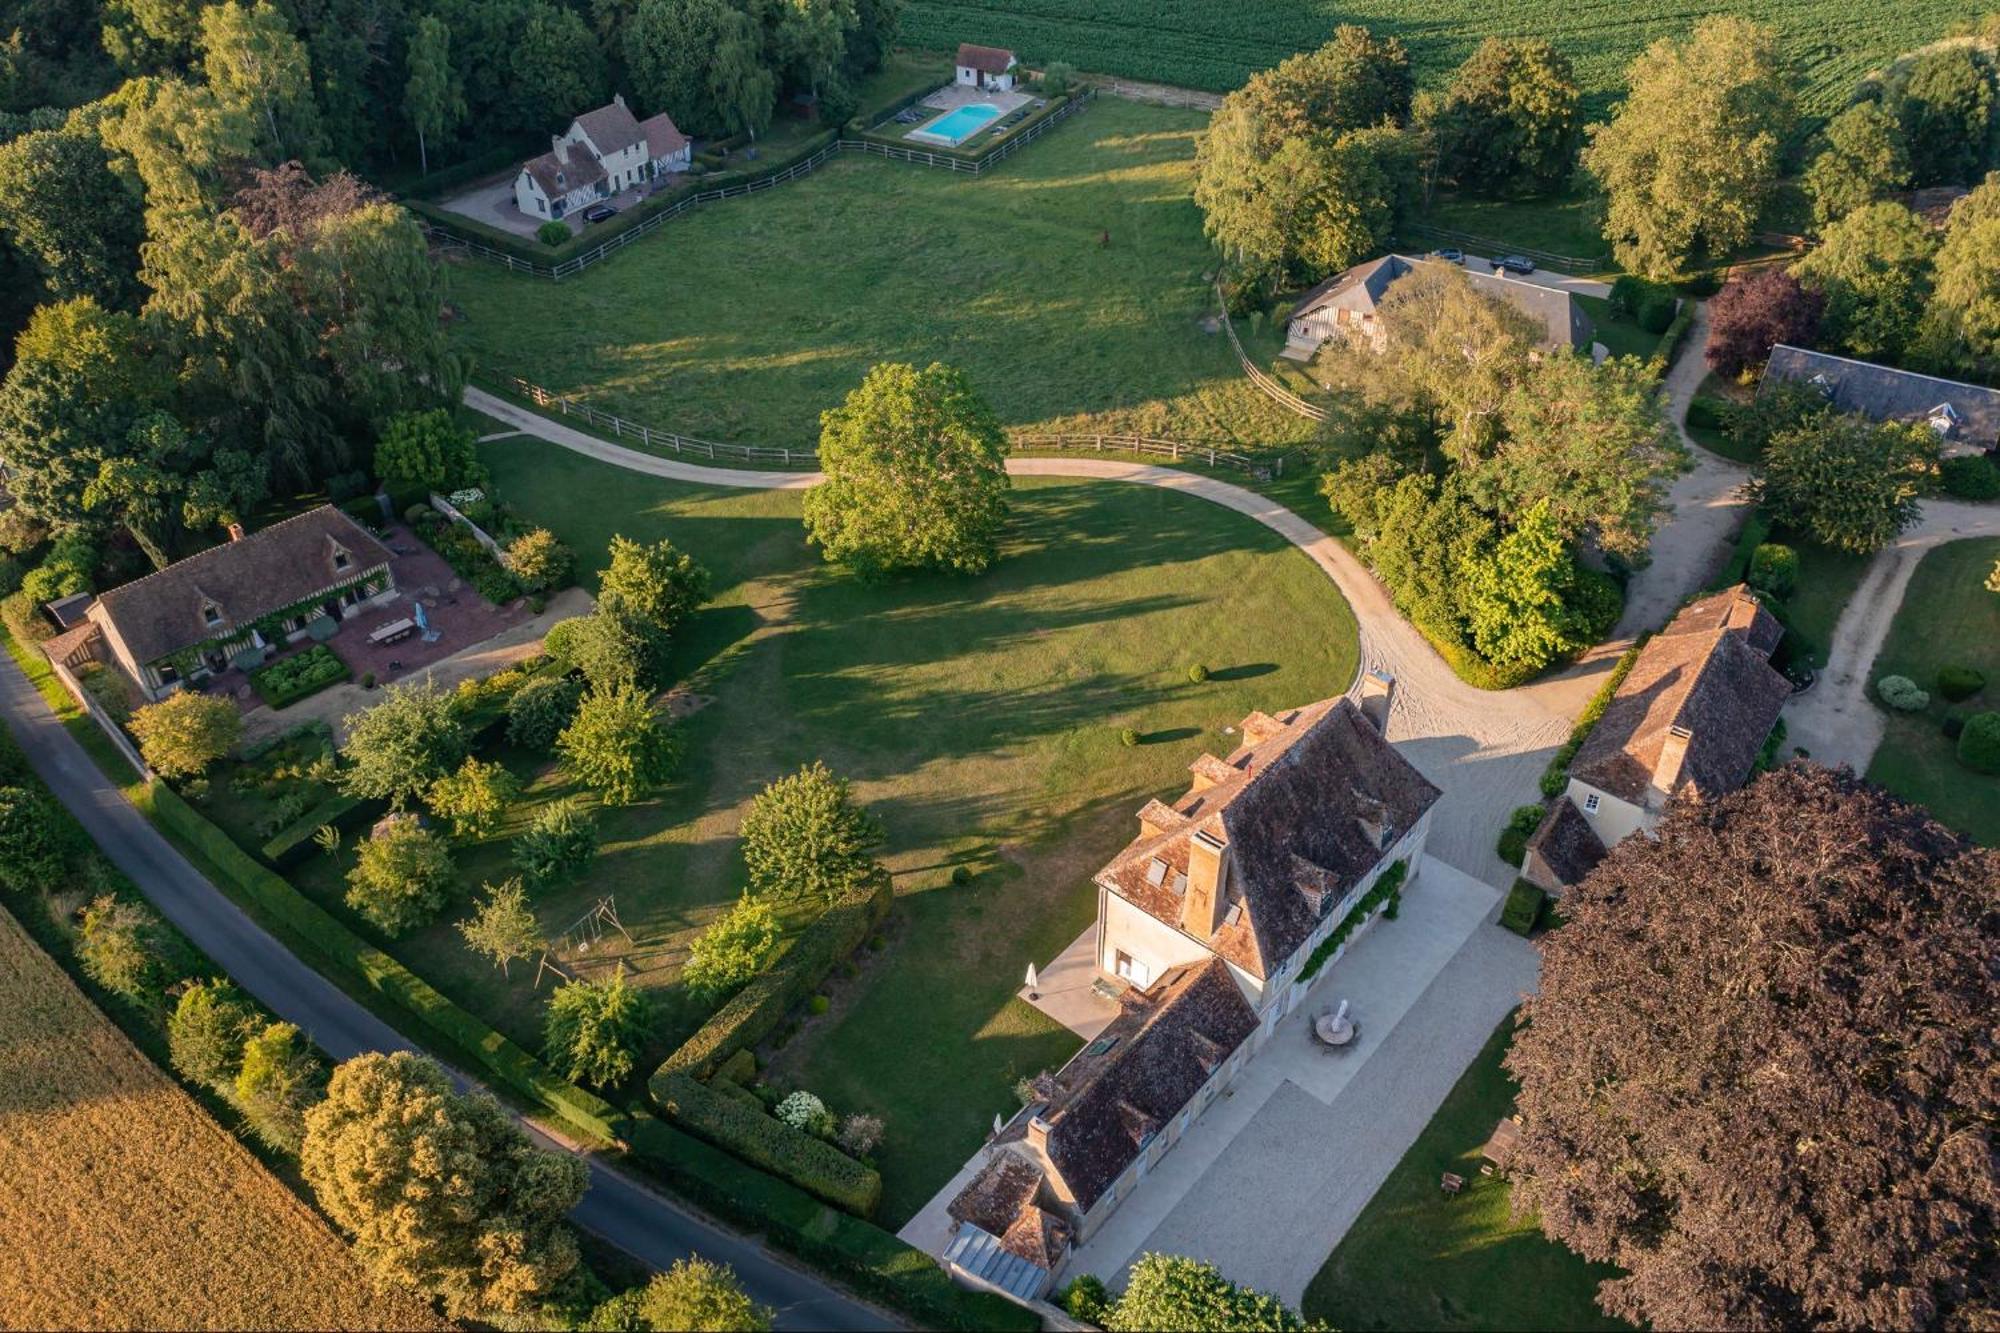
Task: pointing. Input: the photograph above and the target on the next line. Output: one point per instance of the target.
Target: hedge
(1670, 341)
(763, 1140)
(291, 843)
(1555, 778)
(751, 1014)
(1755, 529)
(459, 1031)
(875, 1263)
(739, 1068)
(1523, 908)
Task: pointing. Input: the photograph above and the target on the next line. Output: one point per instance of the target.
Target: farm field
(1200, 44)
(123, 1205)
(1947, 618)
(1418, 1259)
(1067, 283)
(979, 719)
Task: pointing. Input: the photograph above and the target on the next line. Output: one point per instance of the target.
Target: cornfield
(1203, 44)
(124, 1205)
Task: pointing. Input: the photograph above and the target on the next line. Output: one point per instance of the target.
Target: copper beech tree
(1759, 1074)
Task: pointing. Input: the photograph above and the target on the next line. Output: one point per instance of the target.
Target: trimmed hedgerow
(764, 1141)
(1555, 778)
(291, 843)
(1957, 682)
(1524, 907)
(753, 1012)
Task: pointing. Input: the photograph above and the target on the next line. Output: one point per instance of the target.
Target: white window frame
(1590, 803)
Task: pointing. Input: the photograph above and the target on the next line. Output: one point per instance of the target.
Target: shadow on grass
(1169, 734)
(1247, 671)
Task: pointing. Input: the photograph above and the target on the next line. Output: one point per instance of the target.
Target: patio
(1068, 990)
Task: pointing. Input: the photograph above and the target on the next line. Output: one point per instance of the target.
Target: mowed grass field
(1947, 618)
(1202, 44)
(124, 1205)
(980, 719)
(1067, 282)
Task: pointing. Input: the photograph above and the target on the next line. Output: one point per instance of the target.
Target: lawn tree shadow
(1168, 734)
(1246, 671)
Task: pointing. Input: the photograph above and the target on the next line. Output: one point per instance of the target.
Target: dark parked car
(1515, 263)
(599, 212)
(1449, 256)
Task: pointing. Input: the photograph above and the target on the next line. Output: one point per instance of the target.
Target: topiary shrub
(553, 234)
(1086, 1298)
(1970, 477)
(1979, 743)
(1521, 826)
(1197, 673)
(1656, 312)
(1523, 908)
(1902, 694)
(1128, 737)
(1774, 569)
(1959, 682)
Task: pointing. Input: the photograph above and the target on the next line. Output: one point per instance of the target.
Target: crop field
(124, 1205)
(1202, 44)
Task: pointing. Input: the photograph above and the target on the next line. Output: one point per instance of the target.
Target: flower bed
(291, 679)
(468, 557)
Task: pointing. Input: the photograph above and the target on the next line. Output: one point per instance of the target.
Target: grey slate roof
(1709, 672)
(1108, 1106)
(1306, 806)
(983, 1256)
(275, 567)
(1362, 288)
(1883, 393)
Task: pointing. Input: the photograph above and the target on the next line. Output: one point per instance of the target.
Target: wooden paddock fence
(1271, 389)
(569, 268)
(653, 437)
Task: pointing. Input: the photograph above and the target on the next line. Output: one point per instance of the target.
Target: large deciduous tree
(1688, 159)
(1527, 603)
(1873, 268)
(698, 1295)
(63, 206)
(1947, 114)
(401, 875)
(916, 475)
(180, 736)
(399, 747)
(80, 380)
(1508, 124)
(1590, 442)
(441, 1192)
(1864, 160)
(1960, 331)
(669, 46)
(256, 65)
(1754, 313)
(434, 96)
(1770, 1102)
(1853, 484)
(617, 745)
(593, 1030)
(1459, 351)
(557, 67)
(805, 840)
(1169, 1294)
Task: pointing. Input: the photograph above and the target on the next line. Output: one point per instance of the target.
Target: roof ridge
(1877, 365)
(222, 546)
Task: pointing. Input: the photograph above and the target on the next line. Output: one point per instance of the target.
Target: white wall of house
(1152, 946)
(1613, 818)
(972, 78)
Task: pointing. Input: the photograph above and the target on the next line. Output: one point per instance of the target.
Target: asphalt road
(615, 1207)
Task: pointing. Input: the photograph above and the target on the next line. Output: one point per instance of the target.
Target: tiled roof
(663, 138)
(1307, 810)
(1140, 1071)
(1000, 1201)
(559, 175)
(1883, 393)
(611, 127)
(245, 580)
(1709, 673)
(985, 59)
(1362, 288)
(1566, 845)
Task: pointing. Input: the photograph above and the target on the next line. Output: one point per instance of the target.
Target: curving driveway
(1485, 750)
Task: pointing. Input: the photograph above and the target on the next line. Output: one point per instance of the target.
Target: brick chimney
(1208, 881)
(235, 531)
(1667, 771)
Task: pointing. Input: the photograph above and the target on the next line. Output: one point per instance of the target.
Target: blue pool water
(954, 129)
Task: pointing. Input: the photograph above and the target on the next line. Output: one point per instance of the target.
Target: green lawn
(744, 320)
(1827, 580)
(1620, 334)
(1947, 617)
(1564, 225)
(979, 719)
(1416, 1259)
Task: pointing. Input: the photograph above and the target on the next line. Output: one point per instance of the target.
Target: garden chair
(1451, 1184)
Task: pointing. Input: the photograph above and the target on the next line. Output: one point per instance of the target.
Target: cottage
(1687, 723)
(986, 67)
(603, 152)
(1350, 303)
(231, 603)
(1964, 417)
(1204, 924)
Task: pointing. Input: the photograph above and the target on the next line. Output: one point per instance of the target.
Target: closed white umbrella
(1033, 982)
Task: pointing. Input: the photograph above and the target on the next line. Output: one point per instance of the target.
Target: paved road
(615, 1207)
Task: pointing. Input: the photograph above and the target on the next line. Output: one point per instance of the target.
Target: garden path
(1835, 722)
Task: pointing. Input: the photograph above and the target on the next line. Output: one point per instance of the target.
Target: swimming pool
(954, 129)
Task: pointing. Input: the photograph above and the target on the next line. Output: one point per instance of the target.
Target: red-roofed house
(986, 67)
(603, 152)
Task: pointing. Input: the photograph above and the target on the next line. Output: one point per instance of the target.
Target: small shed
(986, 67)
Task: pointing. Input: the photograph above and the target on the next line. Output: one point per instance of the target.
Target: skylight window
(1156, 873)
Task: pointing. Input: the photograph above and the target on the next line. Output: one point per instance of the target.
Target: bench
(393, 632)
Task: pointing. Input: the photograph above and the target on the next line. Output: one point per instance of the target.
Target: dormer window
(341, 560)
(211, 614)
(1943, 419)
